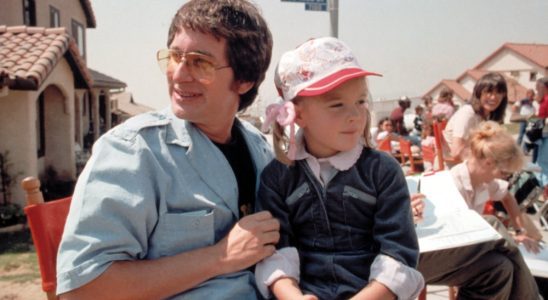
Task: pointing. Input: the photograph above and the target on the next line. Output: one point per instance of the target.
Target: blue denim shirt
(340, 229)
(155, 186)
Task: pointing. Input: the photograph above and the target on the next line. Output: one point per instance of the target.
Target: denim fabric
(155, 186)
(340, 229)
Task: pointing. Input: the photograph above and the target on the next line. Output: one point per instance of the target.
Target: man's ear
(243, 87)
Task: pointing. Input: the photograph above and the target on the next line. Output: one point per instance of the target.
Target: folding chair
(386, 146)
(428, 156)
(46, 222)
(438, 127)
(414, 159)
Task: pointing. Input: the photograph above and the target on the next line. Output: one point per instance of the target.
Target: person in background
(386, 131)
(444, 108)
(542, 160)
(488, 102)
(494, 157)
(526, 110)
(162, 208)
(346, 225)
(427, 103)
(488, 270)
(419, 120)
(397, 116)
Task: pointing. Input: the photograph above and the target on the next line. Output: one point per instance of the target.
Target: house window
(40, 127)
(514, 73)
(78, 35)
(54, 17)
(85, 104)
(29, 13)
(533, 76)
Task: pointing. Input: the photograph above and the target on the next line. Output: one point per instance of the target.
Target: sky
(413, 43)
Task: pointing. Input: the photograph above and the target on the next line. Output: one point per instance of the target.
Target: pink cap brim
(334, 80)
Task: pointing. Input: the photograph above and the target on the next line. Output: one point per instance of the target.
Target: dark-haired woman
(488, 103)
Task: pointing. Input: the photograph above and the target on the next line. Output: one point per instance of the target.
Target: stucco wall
(17, 135)
(68, 10)
(18, 117)
(11, 13)
(59, 115)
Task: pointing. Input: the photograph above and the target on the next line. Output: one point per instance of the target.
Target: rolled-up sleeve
(394, 231)
(112, 213)
(402, 280)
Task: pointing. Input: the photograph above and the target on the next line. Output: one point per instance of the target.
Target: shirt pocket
(364, 198)
(183, 231)
(297, 194)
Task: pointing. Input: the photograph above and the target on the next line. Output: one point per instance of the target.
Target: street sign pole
(323, 5)
(334, 17)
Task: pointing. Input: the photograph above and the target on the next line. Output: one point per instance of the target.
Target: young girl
(346, 227)
(494, 156)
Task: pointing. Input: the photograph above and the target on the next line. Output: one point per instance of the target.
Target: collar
(341, 161)
(462, 172)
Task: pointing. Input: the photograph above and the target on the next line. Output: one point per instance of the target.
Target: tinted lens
(200, 66)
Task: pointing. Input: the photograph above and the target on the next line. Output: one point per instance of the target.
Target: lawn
(19, 271)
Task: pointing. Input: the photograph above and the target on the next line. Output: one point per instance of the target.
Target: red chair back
(428, 153)
(438, 138)
(384, 145)
(46, 222)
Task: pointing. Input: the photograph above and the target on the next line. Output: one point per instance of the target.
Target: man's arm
(251, 240)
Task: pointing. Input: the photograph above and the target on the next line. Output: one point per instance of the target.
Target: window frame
(54, 17)
(40, 126)
(29, 12)
(78, 28)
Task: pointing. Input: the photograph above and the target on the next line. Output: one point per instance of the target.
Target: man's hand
(249, 241)
(417, 207)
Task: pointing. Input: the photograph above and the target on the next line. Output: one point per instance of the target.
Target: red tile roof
(475, 74)
(458, 89)
(535, 53)
(516, 91)
(29, 54)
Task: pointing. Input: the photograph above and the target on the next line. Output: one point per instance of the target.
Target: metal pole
(334, 17)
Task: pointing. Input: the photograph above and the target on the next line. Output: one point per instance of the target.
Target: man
(160, 209)
(397, 116)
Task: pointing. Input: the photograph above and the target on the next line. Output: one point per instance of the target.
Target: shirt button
(196, 223)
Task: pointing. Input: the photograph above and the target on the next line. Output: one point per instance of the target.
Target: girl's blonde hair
(281, 139)
(491, 140)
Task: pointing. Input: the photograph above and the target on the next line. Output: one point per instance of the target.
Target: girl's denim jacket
(339, 229)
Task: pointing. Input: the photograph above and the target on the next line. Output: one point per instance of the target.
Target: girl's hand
(530, 244)
(309, 297)
(417, 207)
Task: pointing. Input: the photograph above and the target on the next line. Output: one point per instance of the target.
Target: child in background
(418, 120)
(386, 131)
(346, 226)
(427, 135)
(494, 156)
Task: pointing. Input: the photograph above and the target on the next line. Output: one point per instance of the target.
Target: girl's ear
(243, 87)
(299, 120)
(489, 163)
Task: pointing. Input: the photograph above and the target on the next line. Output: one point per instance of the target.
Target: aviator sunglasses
(202, 67)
